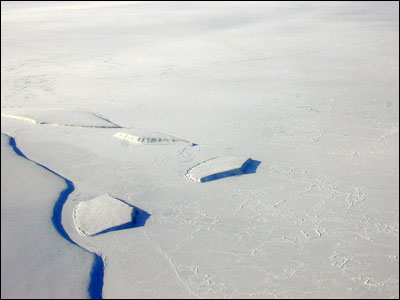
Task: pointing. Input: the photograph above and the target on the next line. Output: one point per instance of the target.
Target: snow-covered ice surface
(309, 90)
(101, 213)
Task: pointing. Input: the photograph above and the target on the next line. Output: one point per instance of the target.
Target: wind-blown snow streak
(26, 119)
(97, 273)
(60, 117)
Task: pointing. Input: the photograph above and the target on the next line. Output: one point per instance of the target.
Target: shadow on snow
(249, 167)
(139, 218)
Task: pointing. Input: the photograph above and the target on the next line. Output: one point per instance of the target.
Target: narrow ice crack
(97, 273)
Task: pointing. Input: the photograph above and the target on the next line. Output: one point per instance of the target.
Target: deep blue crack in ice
(96, 278)
(139, 218)
(95, 288)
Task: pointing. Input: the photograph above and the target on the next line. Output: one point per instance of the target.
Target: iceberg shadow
(139, 218)
(249, 167)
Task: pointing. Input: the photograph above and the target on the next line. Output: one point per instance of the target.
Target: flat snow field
(109, 108)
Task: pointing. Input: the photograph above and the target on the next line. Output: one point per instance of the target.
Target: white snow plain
(309, 89)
